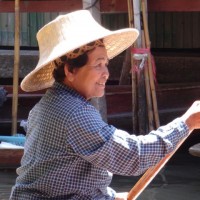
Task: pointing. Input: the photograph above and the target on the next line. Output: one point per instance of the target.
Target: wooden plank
(187, 40)
(10, 26)
(124, 78)
(177, 30)
(152, 28)
(106, 6)
(33, 28)
(4, 29)
(195, 29)
(10, 157)
(30, 23)
(113, 6)
(167, 30)
(119, 99)
(174, 29)
(159, 30)
(173, 5)
(24, 29)
(42, 6)
(172, 101)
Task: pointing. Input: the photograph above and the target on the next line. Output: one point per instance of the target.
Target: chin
(100, 95)
(97, 95)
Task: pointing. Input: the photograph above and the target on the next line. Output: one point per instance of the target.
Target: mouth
(101, 84)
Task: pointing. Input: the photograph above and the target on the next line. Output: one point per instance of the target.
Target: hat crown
(68, 31)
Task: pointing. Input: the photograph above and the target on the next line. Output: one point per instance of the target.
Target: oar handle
(151, 173)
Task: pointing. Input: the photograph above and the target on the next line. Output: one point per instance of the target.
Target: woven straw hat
(69, 32)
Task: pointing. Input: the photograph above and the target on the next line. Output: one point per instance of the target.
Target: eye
(99, 65)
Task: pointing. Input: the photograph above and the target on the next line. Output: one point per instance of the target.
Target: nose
(106, 73)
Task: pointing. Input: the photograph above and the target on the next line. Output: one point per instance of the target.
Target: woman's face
(90, 79)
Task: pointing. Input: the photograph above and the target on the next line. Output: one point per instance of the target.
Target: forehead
(99, 53)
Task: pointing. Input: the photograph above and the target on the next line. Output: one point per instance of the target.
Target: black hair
(78, 62)
(72, 64)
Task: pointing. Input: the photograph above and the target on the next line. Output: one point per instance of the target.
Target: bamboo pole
(137, 20)
(16, 68)
(142, 100)
(150, 174)
(152, 85)
(133, 75)
(148, 92)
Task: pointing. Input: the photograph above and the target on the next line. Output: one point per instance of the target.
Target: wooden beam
(106, 6)
(173, 5)
(42, 6)
(114, 6)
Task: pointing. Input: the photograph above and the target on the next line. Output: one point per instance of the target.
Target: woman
(70, 152)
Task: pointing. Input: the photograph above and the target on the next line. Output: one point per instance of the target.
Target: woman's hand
(192, 116)
(121, 196)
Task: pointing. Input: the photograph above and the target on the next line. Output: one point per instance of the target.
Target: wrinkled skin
(90, 79)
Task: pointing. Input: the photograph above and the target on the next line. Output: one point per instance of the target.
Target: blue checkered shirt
(71, 153)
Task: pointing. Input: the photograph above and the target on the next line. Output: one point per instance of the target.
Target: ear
(69, 75)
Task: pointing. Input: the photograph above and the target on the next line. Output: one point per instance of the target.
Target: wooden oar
(151, 173)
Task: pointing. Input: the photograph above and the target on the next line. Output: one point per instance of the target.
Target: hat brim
(41, 77)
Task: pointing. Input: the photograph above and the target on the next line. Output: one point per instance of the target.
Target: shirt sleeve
(117, 151)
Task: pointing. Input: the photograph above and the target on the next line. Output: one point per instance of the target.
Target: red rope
(140, 50)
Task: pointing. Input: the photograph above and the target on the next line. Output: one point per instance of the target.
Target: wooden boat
(11, 151)
(10, 155)
(173, 100)
(178, 86)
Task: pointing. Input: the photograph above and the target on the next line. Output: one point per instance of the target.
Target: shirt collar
(66, 89)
